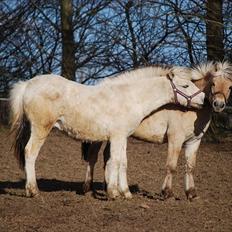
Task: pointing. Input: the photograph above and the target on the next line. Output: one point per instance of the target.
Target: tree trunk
(68, 44)
(215, 51)
(214, 30)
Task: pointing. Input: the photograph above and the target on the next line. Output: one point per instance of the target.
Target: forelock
(224, 68)
(203, 70)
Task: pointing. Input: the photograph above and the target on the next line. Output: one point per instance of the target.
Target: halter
(177, 91)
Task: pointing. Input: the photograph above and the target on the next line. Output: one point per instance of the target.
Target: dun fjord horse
(178, 127)
(110, 111)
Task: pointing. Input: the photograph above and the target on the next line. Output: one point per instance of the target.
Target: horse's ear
(170, 75)
(217, 66)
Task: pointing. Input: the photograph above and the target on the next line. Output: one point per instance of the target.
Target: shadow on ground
(53, 185)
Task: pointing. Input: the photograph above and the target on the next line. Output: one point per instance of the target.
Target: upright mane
(148, 72)
(224, 68)
(212, 68)
(202, 70)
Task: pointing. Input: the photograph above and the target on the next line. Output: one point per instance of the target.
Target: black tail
(23, 133)
(85, 150)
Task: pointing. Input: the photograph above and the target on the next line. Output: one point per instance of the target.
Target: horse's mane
(224, 68)
(198, 72)
(202, 70)
(148, 72)
(212, 68)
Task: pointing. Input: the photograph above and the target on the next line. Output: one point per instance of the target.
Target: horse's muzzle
(218, 105)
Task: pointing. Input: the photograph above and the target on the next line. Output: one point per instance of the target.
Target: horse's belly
(87, 132)
(153, 138)
(154, 135)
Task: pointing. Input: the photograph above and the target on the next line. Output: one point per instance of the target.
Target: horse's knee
(173, 155)
(171, 167)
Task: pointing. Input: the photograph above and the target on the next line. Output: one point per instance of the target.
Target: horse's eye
(185, 86)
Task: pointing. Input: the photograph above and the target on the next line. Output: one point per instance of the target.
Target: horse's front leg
(117, 147)
(122, 185)
(190, 156)
(174, 148)
(91, 158)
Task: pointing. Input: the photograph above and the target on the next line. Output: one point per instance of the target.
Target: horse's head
(220, 86)
(186, 93)
(215, 80)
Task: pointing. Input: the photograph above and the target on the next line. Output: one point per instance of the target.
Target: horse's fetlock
(112, 193)
(166, 193)
(87, 186)
(31, 190)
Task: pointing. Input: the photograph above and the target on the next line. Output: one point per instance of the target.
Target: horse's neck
(156, 93)
(203, 119)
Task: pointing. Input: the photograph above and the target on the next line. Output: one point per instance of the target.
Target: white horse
(111, 110)
(177, 127)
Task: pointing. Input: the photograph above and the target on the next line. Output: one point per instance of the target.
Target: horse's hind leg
(106, 156)
(190, 156)
(38, 136)
(91, 159)
(174, 148)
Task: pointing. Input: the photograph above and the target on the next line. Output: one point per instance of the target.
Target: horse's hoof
(127, 195)
(32, 192)
(167, 193)
(191, 194)
(112, 194)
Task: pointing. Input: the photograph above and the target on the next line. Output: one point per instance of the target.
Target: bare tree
(68, 45)
(214, 30)
(100, 38)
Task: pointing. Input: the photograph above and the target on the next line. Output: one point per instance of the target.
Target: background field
(62, 207)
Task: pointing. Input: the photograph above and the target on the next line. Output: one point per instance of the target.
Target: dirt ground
(62, 207)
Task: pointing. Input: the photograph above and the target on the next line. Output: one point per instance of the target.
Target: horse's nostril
(218, 104)
(215, 104)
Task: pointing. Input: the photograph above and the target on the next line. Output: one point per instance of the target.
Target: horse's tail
(85, 150)
(19, 122)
